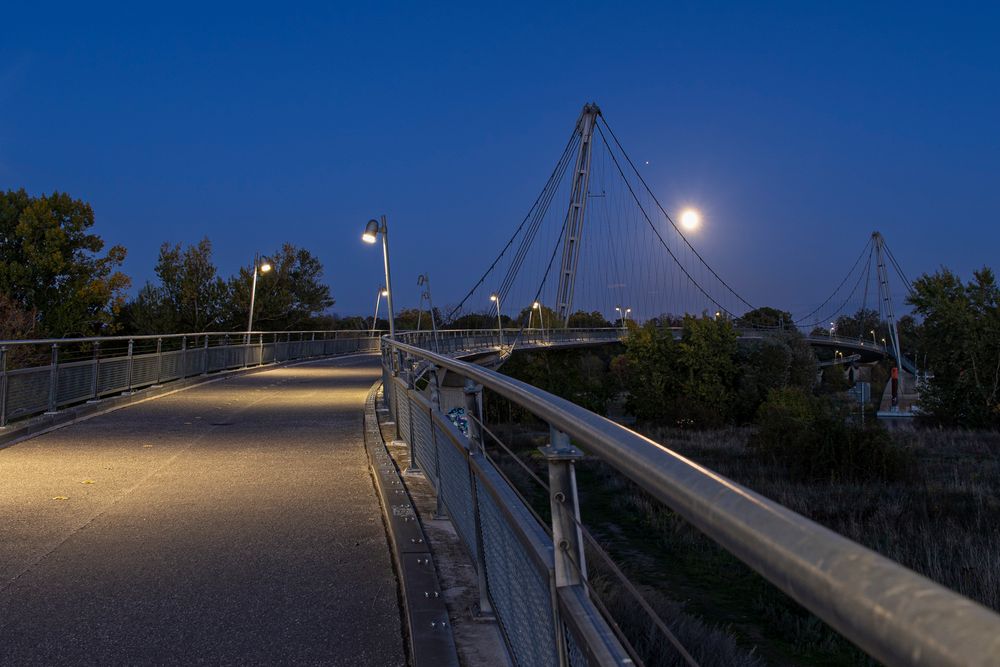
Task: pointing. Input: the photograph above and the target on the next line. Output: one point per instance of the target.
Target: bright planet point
(690, 218)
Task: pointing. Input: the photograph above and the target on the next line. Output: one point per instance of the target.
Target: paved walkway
(230, 523)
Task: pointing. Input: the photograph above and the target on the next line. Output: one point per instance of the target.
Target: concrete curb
(431, 642)
(35, 426)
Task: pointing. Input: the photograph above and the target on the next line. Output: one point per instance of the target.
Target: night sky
(796, 128)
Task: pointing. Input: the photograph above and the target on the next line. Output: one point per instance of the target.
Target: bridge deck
(234, 522)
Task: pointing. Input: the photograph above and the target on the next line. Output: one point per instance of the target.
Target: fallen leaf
(61, 498)
(87, 481)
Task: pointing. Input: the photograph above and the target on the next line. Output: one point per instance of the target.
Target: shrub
(814, 440)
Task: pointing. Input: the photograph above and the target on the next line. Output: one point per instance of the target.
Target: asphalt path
(230, 523)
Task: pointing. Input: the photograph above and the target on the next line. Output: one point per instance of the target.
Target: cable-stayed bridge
(211, 497)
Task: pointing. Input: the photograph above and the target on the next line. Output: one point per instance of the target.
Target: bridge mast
(575, 214)
(886, 295)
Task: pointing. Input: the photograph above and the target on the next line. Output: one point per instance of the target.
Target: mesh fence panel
(144, 369)
(403, 426)
(171, 365)
(423, 445)
(76, 382)
(455, 487)
(113, 376)
(27, 392)
(519, 591)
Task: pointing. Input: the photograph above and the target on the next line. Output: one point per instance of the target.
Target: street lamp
(422, 280)
(372, 230)
(623, 316)
(541, 319)
(378, 297)
(874, 342)
(258, 267)
(832, 327)
(496, 299)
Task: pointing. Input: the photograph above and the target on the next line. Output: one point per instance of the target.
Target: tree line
(58, 279)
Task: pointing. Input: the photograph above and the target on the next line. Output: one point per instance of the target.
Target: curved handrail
(892, 613)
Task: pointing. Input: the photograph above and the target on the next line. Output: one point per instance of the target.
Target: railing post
(184, 356)
(53, 379)
(204, 362)
(474, 411)
(260, 349)
(408, 378)
(128, 371)
(3, 385)
(95, 381)
(567, 536)
(435, 387)
(159, 360)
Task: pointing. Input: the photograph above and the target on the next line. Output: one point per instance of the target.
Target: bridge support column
(474, 416)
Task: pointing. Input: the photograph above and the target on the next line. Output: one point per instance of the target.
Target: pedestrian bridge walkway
(233, 522)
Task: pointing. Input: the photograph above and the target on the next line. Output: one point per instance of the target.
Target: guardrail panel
(76, 382)
(423, 443)
(112, 376)
(455, 484)
(519, 590)
(403, 424)
(27, 391)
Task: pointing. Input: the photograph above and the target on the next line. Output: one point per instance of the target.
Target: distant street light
(422, 280)
(496, 299)
(378, 297)
(874, 342)
(537, 306)
(623, 316)
(372, 230)
(832, 327)
(258, 267)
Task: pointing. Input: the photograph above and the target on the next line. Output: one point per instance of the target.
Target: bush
(812, 437)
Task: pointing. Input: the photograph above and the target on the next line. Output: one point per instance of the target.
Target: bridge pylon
(576, 212)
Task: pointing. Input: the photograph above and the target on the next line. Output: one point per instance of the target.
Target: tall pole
(496, 298)
(253, 294)
(388, 279)
(378, 297)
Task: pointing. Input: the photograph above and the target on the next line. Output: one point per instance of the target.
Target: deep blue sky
(797, 127)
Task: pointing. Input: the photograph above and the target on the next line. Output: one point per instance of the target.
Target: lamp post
(371, 234)
(832, 327)
(874, 342)
(623, 316)
(258, 267)
(378, 297)
(495, 298)
(424, 279)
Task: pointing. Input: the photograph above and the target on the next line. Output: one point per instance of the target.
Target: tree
(766, 317)
(648, 370)
(51, 265)
(961, 336)
(584, 320)
(707, 356)
(290, 296)
(191, 287)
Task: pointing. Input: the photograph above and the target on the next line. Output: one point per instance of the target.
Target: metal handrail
(890, 612)
(338, 333)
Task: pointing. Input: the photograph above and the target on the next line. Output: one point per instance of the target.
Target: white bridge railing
(39, 376)
(534, 575)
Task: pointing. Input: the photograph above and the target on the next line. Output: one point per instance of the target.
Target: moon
(690, 219)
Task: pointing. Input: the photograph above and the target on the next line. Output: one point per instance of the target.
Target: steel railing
(45, 375)
(532, 579)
